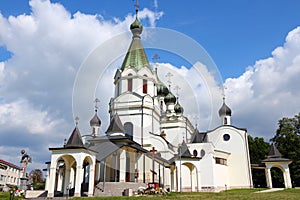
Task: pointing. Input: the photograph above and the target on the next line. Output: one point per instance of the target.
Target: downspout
(142, 139)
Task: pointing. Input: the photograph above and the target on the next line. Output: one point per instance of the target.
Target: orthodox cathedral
(144, 144)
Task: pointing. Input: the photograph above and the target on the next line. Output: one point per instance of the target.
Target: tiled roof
(10, 164)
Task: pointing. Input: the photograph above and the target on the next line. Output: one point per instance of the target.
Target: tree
(287, 140)
(36, 177)
(258, 150)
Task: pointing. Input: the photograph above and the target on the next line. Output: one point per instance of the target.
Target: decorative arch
(192, 182)
(67, 172)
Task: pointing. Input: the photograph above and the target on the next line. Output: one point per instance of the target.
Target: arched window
(128, 126)
(225, 120)
(145, 86)
(161, 105)
(129, 83)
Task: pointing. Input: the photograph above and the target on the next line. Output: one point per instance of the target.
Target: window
(226, 137)
(221, 161)
(161, 105)
(118, 89)
(195, 153)
(129, 85)
(145, 86)
(128, 126)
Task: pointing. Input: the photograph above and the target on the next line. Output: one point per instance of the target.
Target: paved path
(270, 190)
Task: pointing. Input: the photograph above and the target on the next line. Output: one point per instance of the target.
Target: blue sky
(255, 45)
(247, 30)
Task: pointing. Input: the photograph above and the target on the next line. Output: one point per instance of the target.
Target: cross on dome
(155, 59)
(177, 88)
(96, 104)
(76, 120)
(169, 75)
(223, 87)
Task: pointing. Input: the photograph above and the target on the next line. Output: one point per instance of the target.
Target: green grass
(5, 195)
(243, 194)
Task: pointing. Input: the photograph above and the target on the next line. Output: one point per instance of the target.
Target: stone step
(116, 188)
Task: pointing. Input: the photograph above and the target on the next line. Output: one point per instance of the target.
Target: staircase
(116, 188)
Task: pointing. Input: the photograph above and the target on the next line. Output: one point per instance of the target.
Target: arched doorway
(87, 166)
(188, 177)
(277, 177)
(65, 175)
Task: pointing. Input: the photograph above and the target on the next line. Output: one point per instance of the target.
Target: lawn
(289, 194)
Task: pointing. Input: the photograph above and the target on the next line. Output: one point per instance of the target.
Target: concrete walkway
(270, 190)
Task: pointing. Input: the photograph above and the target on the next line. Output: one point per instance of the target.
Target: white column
(198, 180)
(191, 177)
(60, 180)
(268, 177)
(91, 180)
(79, 177)
(52, 181)
(47, 178)
(123, 166)
(287, 178)
(67, 180)
(172, 180)
(97, 169)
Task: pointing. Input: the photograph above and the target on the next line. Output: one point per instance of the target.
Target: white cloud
(21, 114)
(48, 46)
(269, 90)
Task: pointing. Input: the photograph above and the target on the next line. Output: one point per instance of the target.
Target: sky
(45, 48)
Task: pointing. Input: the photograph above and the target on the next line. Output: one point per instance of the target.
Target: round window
(226, 137)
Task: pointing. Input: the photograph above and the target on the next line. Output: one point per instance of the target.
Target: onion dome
(136, 27)
(162, 90)
(95, 121)
(170, 99)
(224, 110)
(136, 55)
(178, 108)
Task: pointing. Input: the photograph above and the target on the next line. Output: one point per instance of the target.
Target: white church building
(143, 145)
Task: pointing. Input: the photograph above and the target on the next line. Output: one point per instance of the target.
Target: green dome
(170, 99)
(162, 90)
(178, 109)
(136, 27)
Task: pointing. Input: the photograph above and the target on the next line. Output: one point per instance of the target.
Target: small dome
(224, 110)
(95, 121)
(170, 99)
(178, 108)
(162, 90)
(136, 27)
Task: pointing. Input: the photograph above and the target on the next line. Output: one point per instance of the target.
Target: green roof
(136, 56)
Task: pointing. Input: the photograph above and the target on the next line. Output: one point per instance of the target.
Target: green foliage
(258, 150)
(287, 140)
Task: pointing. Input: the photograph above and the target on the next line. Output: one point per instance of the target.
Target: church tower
(135, 101)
